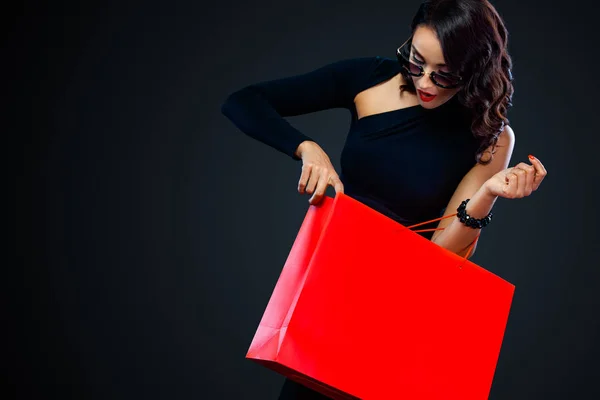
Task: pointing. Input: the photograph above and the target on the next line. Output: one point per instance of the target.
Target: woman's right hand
(317, 172)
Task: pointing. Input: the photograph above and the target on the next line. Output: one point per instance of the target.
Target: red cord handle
(471, 246)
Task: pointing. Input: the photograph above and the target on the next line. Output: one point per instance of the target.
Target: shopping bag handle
(471, 246)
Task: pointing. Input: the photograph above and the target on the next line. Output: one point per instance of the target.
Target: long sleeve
(259, 109)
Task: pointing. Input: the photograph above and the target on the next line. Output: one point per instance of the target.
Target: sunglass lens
(445, 80)
(411, 68)
(414, 69)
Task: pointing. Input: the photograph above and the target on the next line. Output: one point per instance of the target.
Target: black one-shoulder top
(404, 163)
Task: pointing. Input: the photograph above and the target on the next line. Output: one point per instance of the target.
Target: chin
(429, 105)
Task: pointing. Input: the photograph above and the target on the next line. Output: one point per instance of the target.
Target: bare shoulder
(501, 151)
(507, 136)
(505, 145)
(383, 97)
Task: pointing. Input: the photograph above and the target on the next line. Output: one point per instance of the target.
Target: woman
(429, 135)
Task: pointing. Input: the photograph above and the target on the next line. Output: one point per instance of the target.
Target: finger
(539, 167)
(507, 174)
(521, 181)
(320, 190)
(312, 180)
(529, 177)
(337, 184)
(304, 178)
(510, 189)
(540, 171)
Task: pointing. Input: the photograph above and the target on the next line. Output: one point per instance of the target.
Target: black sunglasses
(445, 80)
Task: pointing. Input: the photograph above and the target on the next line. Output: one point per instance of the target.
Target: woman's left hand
(518, 181)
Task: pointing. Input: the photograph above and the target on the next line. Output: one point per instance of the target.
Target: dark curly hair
(474, 42)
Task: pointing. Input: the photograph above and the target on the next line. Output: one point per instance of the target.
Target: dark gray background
(150, 232)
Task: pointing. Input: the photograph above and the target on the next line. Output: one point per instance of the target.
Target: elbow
(234, 100)
(226, 106)
(228, 103)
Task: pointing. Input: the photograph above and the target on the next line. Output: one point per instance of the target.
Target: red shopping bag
(367, 308)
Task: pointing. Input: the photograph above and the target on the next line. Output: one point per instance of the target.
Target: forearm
(254, 115)
(457, 237)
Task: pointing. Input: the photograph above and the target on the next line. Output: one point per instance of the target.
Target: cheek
(448, 94)
(443, 97)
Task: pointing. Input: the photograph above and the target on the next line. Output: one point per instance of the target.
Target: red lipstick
(425, 96)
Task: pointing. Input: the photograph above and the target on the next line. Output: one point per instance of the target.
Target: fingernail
(531, 157)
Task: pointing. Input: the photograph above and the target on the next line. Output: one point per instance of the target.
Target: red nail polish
(531, 157)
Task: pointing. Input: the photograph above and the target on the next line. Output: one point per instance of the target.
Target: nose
(425, 81)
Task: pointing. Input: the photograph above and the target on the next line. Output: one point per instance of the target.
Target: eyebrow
(421, 56)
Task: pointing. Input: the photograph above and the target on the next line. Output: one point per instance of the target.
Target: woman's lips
(425, 96)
